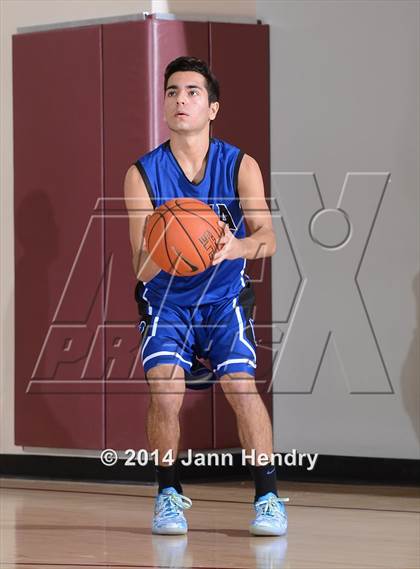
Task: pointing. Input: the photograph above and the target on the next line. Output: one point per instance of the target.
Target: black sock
(265, 479)
(168, 476)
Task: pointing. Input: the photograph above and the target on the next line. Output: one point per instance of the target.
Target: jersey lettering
(225, 215)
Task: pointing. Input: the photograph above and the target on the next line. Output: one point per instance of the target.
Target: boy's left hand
(229, 247)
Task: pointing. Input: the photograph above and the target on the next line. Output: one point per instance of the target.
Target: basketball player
(209, 315)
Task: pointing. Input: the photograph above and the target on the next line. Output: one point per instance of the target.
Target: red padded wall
(239, 57)
(127, 123)
(57, 97)
(87, 103)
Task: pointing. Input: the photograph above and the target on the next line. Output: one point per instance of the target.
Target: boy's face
(186, 103)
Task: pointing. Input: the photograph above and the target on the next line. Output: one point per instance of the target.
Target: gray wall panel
(345, 118)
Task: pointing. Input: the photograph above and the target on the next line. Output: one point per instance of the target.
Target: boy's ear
(214, 107)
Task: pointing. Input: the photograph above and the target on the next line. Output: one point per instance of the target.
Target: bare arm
(262, 240)
(139, 206)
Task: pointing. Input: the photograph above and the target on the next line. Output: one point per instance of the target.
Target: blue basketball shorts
(222, 332)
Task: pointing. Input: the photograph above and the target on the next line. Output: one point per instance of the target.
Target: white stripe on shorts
(236, 361)
(241, 332)
(242, 273)
(155, 322)
(155, 354)
(147, 300)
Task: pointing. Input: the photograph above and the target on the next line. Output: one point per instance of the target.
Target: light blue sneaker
(168, 517)
(271, 516)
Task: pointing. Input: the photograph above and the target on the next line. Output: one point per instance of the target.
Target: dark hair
(194, 64)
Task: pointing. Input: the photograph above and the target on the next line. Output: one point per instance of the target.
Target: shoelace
(172, 503)
(270, 506)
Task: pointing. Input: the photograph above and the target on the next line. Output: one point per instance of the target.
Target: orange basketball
(182, 236)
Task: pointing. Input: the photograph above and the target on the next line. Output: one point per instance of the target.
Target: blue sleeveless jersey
(165, 180)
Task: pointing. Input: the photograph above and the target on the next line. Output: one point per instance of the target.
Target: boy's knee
(167, 387)
(240, 390)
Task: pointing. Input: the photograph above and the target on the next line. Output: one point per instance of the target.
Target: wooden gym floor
(74, 525)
